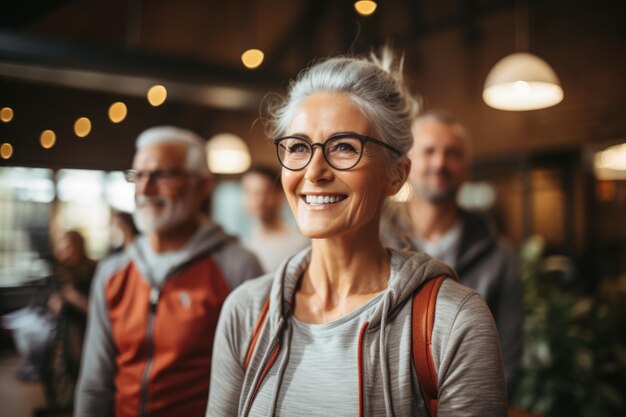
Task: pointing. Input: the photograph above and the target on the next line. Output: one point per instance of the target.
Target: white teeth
(319, 199)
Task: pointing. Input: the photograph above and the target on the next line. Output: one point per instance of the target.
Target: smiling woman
(342, 171)
(333, 324)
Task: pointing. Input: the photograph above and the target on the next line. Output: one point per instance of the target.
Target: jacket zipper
(154, 300)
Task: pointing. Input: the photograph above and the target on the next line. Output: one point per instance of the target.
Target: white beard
(172, 214)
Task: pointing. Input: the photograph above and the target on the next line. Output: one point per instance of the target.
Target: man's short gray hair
(451, 122)
(196, 157)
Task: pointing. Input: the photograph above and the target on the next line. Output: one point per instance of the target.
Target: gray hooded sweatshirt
(465, 349)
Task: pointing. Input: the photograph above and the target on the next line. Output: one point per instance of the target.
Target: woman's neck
(344, 273)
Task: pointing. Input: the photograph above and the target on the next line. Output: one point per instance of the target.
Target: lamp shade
(522, 81)
(610, 164)
(227, 153)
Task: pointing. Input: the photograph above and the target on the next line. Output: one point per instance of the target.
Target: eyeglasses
(134, 176)
(342, 151)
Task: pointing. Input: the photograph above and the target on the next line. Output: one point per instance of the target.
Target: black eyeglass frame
(322, 145)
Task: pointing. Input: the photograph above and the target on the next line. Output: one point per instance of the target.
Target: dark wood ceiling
(63, 59)
(292, 33)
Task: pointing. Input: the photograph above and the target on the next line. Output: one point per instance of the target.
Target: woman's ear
(403, 169)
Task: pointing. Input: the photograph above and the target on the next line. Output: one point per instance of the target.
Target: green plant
(574, 361)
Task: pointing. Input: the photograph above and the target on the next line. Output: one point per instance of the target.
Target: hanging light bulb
(522, 81)
(252, 58)
(365, 7)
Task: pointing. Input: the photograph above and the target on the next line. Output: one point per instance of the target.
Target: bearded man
(432, 222)
(154, 307)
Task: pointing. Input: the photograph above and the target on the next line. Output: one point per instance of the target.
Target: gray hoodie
(465, 347)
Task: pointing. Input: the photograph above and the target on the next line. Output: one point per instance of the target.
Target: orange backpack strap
(424, 302)
(256, 332)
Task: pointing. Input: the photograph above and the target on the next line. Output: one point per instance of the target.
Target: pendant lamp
(522, 81)
(227, 153)
(610, 163)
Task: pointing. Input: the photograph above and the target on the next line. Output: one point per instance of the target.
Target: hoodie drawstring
(269, 356)
(281, 367)
(360, 367)
(383, 354)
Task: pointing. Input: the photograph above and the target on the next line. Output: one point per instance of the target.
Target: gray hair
(376, 87)
(196, 157)
(452, 123)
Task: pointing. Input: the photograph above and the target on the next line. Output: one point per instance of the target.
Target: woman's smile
(323, 199)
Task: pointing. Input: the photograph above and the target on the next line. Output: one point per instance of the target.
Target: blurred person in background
(155, 306)
(54, 322)
(75, 270)
(68, 300)
(271, 239)
(123, 231)
(433, 222)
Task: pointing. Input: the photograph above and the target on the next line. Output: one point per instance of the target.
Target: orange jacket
(148, 348)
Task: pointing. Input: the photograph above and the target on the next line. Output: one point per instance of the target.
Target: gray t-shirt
(445, 249)
(312, 385)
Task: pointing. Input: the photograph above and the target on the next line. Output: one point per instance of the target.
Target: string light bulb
(82, 127)
(117, 112)
(47, 139)
(365, 7)
(6, 114)
(252, 58)
(6, 150)
(157, 95)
